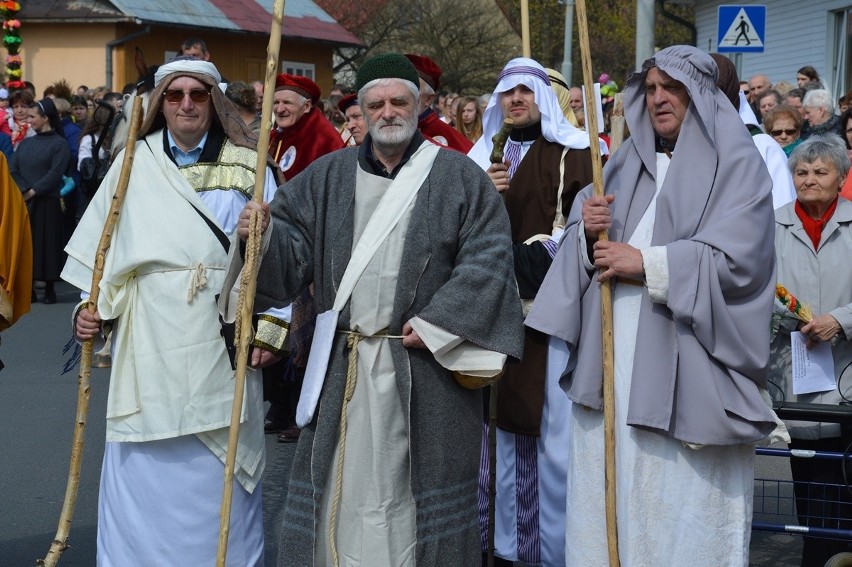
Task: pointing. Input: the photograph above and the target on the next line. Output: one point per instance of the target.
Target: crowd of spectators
(50, 140)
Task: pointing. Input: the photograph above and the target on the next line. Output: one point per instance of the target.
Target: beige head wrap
(206, 73)
(561, 90)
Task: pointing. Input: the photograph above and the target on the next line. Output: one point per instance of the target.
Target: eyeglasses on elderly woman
(784, 131)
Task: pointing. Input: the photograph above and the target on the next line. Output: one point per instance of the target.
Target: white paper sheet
(317, 366)
(813, 369)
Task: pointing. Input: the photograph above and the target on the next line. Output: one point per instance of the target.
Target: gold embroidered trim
(272, 334)
(234, 170)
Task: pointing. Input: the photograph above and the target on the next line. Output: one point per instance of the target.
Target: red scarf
(813, 227)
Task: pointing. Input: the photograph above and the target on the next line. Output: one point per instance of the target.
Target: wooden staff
(525, 27)
(617, 123)
(492, 471)
(497, 153)
(606, 295)
(248, 284)
(60, 542)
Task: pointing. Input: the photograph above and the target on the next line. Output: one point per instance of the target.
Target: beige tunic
(376, 518)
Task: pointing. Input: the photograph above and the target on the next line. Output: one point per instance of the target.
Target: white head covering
(207, 74)
(563, 94)
(187, 66)
(554, 126)
(746, 113)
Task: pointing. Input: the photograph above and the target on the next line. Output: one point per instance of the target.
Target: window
(299, 69)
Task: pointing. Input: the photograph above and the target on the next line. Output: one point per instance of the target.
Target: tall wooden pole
(60, 542)
(497, 156)
(617, 124)
(525, 27)
(606, 295)
(492, 471)
(248, 284)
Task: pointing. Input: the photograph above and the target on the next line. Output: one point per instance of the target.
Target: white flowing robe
(170, 377)
(675, 505)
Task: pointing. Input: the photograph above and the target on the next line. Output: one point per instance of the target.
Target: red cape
(433, 127)
(310, 138)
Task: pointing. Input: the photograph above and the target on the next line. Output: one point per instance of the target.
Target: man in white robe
(410, 245)
(688, 207)
(171, 386)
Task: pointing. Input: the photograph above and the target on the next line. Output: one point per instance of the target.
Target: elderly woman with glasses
(813, 244)
(784, 124)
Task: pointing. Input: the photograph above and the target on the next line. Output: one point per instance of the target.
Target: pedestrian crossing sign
(742, 29)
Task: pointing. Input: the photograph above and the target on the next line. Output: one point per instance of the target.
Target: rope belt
(198, 281)
(197, 277)
(353, 338)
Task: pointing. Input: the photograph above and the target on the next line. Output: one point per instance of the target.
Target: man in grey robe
(397, 485)
(688, 208)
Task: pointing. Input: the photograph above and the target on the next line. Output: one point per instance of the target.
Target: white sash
(396, 200)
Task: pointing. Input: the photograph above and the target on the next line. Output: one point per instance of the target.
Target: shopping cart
(825, 509)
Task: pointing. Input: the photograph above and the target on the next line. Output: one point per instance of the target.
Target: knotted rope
(251, 254)
(197, 282)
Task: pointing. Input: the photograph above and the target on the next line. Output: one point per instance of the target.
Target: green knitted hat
(386, 66)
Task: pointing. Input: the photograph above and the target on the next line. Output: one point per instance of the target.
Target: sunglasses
(198, 96)
(784, 131)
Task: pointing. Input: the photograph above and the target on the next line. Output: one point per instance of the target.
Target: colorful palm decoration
(12, 40)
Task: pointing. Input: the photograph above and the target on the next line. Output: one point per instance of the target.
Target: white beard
(400, 134)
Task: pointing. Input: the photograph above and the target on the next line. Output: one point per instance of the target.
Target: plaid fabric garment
(302, 327)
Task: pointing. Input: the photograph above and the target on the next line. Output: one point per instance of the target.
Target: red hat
(427, 69)
(302, 85)
(347, 101)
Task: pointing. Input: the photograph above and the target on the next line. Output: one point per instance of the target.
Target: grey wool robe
(456, 273)
(703, 354)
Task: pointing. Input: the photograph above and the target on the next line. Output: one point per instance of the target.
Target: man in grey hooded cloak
(688, 207)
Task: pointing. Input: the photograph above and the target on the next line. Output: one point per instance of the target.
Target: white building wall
(798, 33)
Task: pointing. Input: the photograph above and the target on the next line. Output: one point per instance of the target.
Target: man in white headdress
(547, 162)
(171, 386)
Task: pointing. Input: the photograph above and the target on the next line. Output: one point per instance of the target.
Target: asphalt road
(37, 405)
